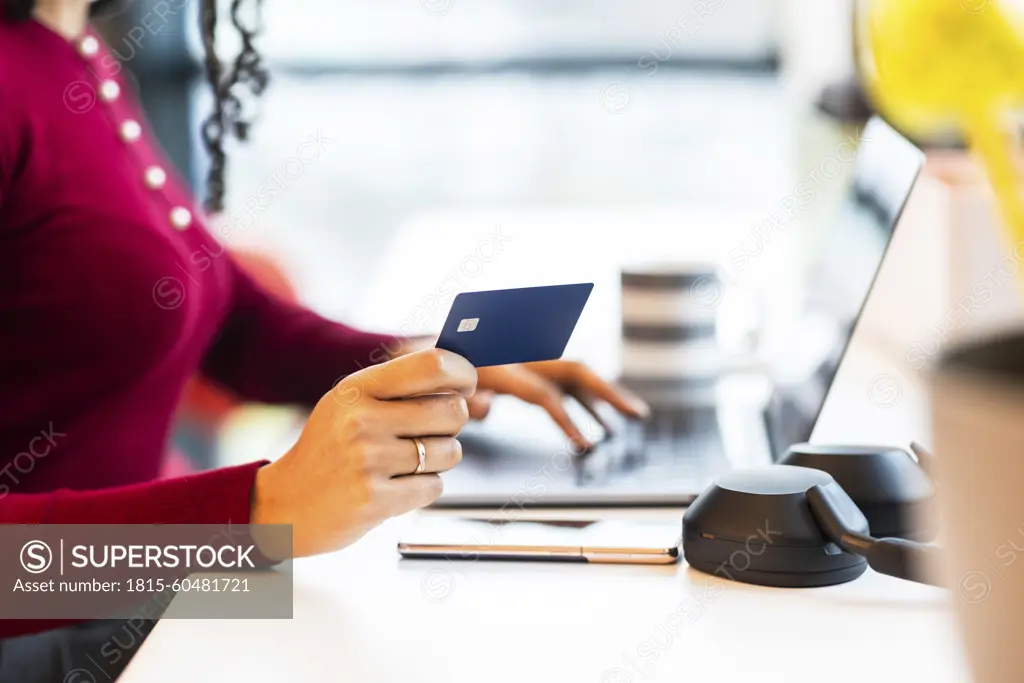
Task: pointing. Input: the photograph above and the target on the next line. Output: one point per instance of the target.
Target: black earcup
(756, 526)
(888, 486)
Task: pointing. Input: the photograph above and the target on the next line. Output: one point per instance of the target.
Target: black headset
(897, 557)
(794, 524)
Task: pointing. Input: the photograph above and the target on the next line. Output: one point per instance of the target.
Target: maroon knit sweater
(112, 294)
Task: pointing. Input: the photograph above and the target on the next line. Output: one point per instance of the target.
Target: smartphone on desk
(601, 541)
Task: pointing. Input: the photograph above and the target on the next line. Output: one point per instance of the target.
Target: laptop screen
(844, 259)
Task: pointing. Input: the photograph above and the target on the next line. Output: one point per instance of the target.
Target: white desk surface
(363, 614)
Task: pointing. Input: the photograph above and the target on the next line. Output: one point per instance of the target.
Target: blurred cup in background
(670, 354)
(977, 396)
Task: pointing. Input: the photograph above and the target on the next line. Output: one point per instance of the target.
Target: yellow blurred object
(933, 65)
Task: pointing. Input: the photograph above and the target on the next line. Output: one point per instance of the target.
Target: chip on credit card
(505, 326)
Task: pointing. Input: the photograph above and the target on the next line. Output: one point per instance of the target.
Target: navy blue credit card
(505, 326)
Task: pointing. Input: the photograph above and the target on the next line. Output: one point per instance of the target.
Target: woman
(97, 233)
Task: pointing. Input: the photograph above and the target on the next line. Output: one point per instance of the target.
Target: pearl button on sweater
(112, 295)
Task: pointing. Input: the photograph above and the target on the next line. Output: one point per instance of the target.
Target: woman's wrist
(261, 500)
(264, 512)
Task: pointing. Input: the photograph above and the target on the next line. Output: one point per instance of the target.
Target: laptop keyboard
(678, 449)
(675, 444)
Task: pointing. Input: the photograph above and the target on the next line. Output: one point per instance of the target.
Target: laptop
(518, 458)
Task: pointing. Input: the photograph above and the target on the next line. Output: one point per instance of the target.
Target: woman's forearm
(275, 351)
(215, 497)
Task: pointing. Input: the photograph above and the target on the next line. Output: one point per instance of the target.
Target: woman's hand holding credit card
(515, 338)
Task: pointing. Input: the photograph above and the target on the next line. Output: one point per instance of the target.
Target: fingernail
(642, 409)
(637, 404)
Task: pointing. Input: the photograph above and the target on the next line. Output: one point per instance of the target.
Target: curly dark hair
(246, 72)
(229, 85)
